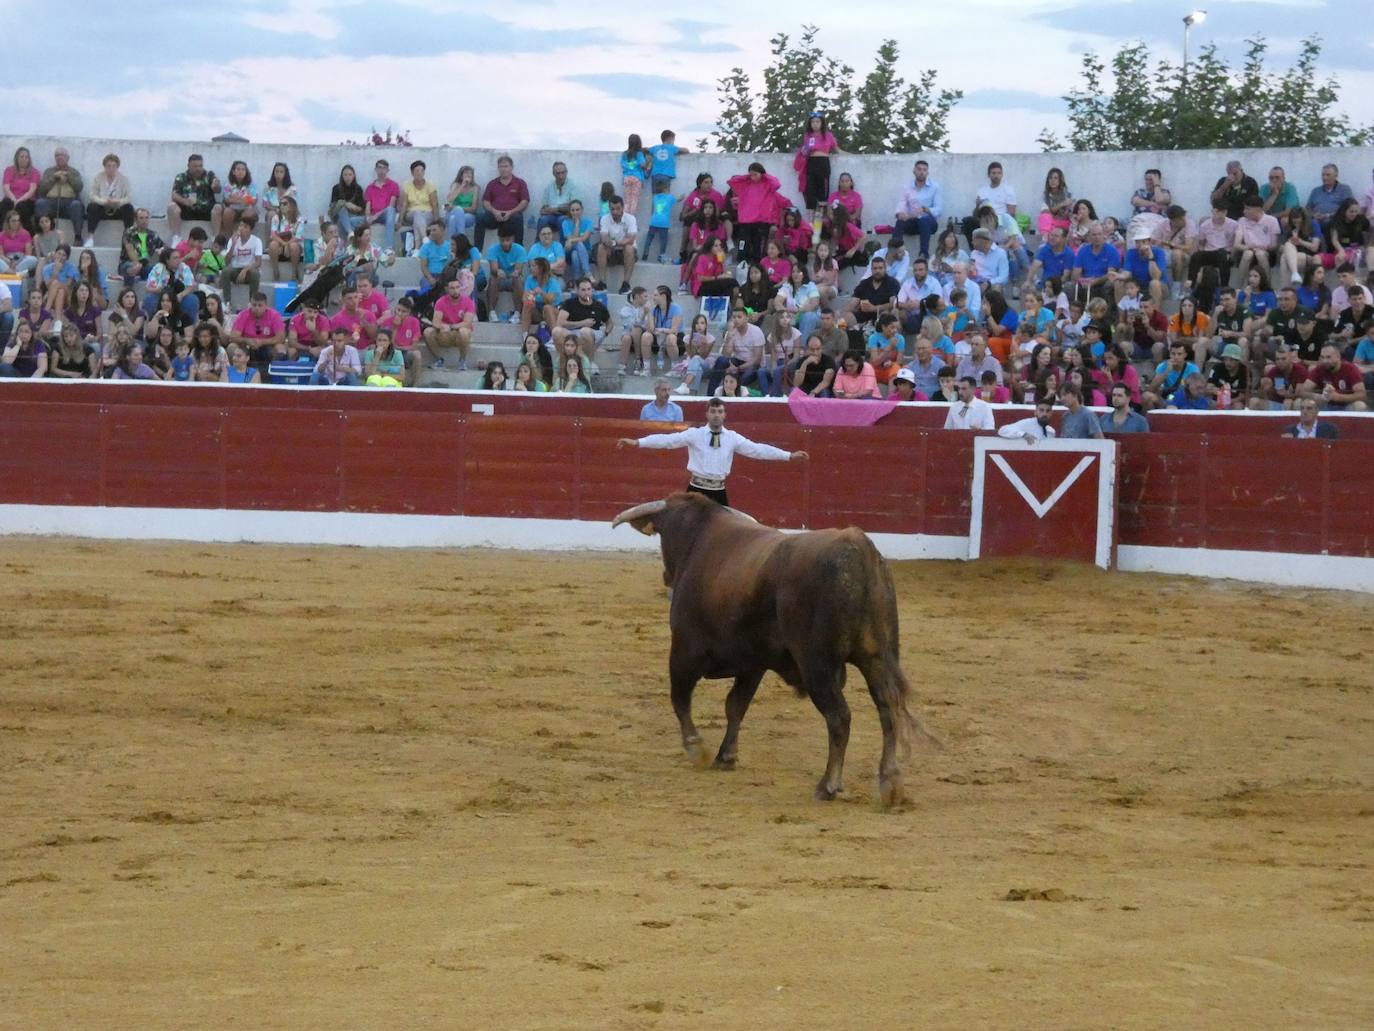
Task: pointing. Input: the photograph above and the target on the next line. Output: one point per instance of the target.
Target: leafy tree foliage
(883, 115)
(1212, 105)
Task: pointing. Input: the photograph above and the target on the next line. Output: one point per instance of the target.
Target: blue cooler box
(282, 296)
(295, 373)
(15, 284)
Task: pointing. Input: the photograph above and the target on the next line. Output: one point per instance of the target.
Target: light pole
(1189, 20)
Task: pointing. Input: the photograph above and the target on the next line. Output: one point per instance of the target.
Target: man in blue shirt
(1079, 422)
(990, 266)
(434, 253)
(918, 210)
(1094, 262)
(1053, 260)
(1170, 375)
(1193, 396)
(1323, 201)
(1121, 419)
(1147, 265)
(505, 270)
(665, 161)
(660, 409)
(926, 367)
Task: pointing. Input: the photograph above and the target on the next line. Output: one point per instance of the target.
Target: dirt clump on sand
(317, 787)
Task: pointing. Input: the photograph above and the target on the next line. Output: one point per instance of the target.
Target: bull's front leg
(736, 705)
(683, 674)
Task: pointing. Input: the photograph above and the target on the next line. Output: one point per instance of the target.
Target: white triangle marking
(1040, 508)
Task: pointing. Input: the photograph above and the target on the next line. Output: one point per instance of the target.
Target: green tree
(884, 114)
(1211, 105)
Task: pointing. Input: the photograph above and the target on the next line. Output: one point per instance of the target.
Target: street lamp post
(1196, 18)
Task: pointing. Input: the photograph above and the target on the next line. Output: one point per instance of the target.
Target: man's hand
(624, 442)
(798, 456)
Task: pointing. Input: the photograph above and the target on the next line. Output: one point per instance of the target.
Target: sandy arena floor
(283, 787)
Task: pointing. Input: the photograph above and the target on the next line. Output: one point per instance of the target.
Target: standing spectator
(664, 160)
(661, 409)
(193, 196)
(111, 197)
(1056, 204)
(1233, 189)
(381, 199)
(758, 204)
(660, 221)
(918, 210)
(240, 199)
(460, 205)
(278, 189)
(504, 201)
(1279, 196)
(243, 259)
(1079, 422)
(260, 330)
(59, 193)
(1338, 384)
(339, 364)
(1216, 239)
(635, 165)
(970, 412)
(347, 203)
(818, 143)
(619, 233)
(557, 199)
(1323, 201)
(419, 204)
(20, 189)
(1122, 418)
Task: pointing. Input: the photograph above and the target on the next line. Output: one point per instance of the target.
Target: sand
(318, 788)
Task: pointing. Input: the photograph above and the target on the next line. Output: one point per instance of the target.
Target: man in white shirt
(897, 258)
(242, 259)
(1030, 430)
(711, 450)
(996, 194)
(619, 231)
(970, 412)
(915, 289)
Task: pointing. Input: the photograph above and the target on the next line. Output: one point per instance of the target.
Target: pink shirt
(405, 332)
(778, 269)
(865, 384)
(379, 195)
(375, 302)
(819, 143)
(361, 321)
(1263, 234)
(16, 244)
(852, 201)
(249, 325)
(20, 184)
(311, 333)
(1213, 237)
(453, 311)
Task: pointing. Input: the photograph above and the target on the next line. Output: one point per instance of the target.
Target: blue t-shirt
(671, 412)
(532, 289)
(181, 368)
(662, 319)
(1173, 380)
(435, 255)
(662, 204)
(1258, 303)
(584, 225)
(1094, 265)
(506, 260)
(1140, 270)
(633, 167)
(1182, 401)
(553, 253)
(1364, 351)
(1053, 264)
(665, 159)
(1313, 300)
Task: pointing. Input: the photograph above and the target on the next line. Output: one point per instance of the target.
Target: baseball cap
(1306, 316)
(905, 374)
(1141, 234)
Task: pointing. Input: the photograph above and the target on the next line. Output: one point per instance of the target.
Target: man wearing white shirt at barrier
(1033, 429)
(711, 450)
(970, 412)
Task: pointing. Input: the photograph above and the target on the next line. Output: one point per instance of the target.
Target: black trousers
(817, 180)
(718, 496)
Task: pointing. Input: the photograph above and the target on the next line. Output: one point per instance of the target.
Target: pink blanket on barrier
(832, 411)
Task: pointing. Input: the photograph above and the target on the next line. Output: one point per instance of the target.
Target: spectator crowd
(1258, 297)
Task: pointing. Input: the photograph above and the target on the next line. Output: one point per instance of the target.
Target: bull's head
(643, 518)
(679, 520)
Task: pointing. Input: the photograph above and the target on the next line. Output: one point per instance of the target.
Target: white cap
(1141, 234)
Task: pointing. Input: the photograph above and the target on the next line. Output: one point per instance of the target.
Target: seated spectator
(385, 366)
(913, 293)
(1216, 240)
(635, 338)
(996, 193)
(1054, 260)
(339, 364)
(434, 254)
(111, 197)
(800, 299)
(897, 259)
(1343, 296)
(1313, 294)
(1146, 264)
(814, 372)
(542, 295)
(243, 260)
(1169, 378)
(969, 412)
(792, 236)
(1056, 208)
(1280, 323)
(856, 378)
(506, 261)
(904, 386)
(775, 264)
(126, 311)
(59, 193)
(1192, 396)
(172, 275)
(1122, 418)
(1193, 329)
(460, 204)
(693, 206)
(1152, 200)
(946, 390)
(1308, 426)
(16, 246)
(46, 238)
(358, 322)
(1233, 189)
(56, 278)
(1034, 429)
(83, 314)
(845, 196)
(546, 246)
(240, 199)
(347, 203)
(24, 356)
(846, 239)
(825, 273)
(1344, 234)
(131, 365)
(1310, 338)
(557, 198)
(20, 188)
(742, 350)
(665, 328)
(1337, 383)
(1279, 384)
(885, 348)
(418, 205)
(237, 369)
(619, 233)
(661, 409)
(287, 228)
(1228, 384)
(504, 201)
(579, 241)
(1230, 324)
(709, 276)
(279, 187)
(978, 360)
(1094, 263)
(1303, 247)
(1278, 196)
(701, 359)
(527, 379)
(948, 255)
(1177, 235)
(874, 295)
(730, 386)
(209, 360)
(583, 318)
(991, 391)
(1079, 421)
(990, 263)
(534, 354)
(455, 319)
(1324, 199)
(1149, 332)
(260, 330)
(381, 200)
(572, 378)
(1364, 353)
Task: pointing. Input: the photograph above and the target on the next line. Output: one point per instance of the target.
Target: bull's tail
(909, 728)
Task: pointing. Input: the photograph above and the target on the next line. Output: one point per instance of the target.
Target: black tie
(715, 438)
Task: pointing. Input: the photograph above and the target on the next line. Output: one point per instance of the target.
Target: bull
(747, 599)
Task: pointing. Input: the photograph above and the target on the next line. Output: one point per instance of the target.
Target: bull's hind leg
(826, 688)
(684, 677)
(736, 705)
(888, 688)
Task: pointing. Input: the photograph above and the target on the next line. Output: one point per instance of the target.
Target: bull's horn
(649, 508)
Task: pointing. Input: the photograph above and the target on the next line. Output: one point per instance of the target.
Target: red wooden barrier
(1177, 490)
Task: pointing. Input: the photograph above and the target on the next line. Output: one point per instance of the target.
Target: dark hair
(634, 145)
(666, 135)
(486, 375)
(1154, 171)
(506, 231)
(886, 319)
(348, 168)
(417, 163)
(259, 296)
(1175, 211)
(994, 164)
(715, 402)
(1253, 201)
(946, 372)
(754, 166)
(286, 175)
(971, 381)
(247, 179)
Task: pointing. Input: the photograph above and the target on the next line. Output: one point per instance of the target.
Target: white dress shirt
(713, 462)
(973, 415)
(1027, 429)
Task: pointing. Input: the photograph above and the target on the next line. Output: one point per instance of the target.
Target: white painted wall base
(227, 526)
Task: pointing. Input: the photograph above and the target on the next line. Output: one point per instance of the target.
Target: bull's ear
(643, 518)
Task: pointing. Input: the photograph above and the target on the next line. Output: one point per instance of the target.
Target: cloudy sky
(578, 75)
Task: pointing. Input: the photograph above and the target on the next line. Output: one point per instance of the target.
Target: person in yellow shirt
(419, 203)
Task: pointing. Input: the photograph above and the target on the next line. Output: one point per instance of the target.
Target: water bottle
(1224, 396)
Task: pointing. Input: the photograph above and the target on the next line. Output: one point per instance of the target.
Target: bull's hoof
(699, 757)
(825, 793)
(722, 763)
(891, 793)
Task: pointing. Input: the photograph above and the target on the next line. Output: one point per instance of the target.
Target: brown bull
(747, 599)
